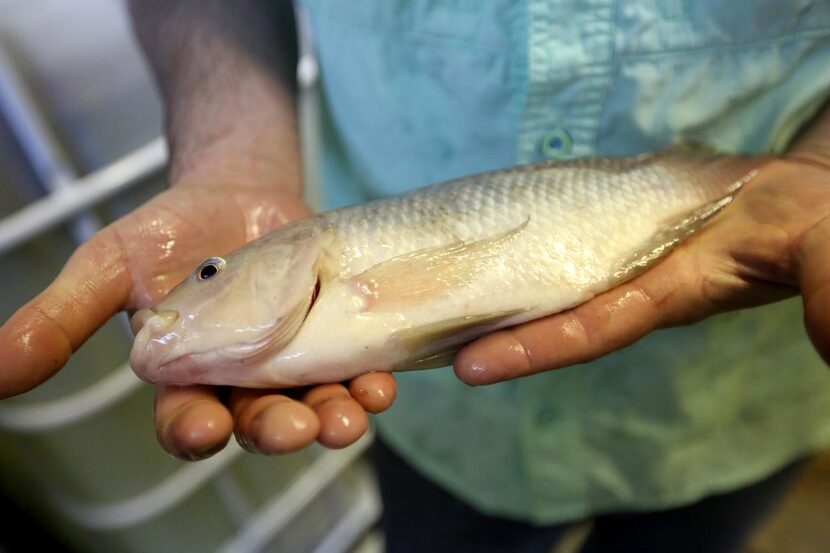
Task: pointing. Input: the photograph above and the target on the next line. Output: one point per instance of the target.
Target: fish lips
(159, 358)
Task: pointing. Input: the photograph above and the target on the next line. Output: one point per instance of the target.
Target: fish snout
(151, 348)
(154, 321)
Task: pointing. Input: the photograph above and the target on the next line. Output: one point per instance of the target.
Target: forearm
(226, 73)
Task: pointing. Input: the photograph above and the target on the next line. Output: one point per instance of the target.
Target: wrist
(225, 71)
(236, 148)
(235, 123)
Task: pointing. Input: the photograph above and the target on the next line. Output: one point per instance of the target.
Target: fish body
(402, 283)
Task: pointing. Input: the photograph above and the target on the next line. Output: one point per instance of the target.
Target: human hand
(132, 264)
(769, 244)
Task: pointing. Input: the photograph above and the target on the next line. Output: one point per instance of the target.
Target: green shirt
(421, 91)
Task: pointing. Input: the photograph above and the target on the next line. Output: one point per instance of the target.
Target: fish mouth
(181, 371)
(150, 326)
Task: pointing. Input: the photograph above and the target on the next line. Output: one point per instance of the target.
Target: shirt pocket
(749, 97)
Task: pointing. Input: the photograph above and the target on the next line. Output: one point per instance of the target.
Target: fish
(403, 283)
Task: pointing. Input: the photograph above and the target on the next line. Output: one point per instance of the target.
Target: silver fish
(403, 283)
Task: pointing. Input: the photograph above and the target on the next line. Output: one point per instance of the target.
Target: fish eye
(209, 268)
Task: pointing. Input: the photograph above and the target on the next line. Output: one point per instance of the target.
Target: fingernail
(178, 438)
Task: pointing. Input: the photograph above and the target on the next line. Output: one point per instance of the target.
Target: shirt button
(557, 144)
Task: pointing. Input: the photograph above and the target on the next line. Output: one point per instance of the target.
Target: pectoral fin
(431, 273)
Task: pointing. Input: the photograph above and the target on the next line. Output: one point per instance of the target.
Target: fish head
(230, 311)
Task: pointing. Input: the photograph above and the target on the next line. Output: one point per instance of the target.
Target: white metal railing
(81, 194)
(260, 527)
(41, 150)
(363, 513)
(274, 516)
(68, 197)
(308, 106)
(44, 416)
(148, 504)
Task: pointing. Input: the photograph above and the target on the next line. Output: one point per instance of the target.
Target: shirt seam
(612, 77)
(760, 44)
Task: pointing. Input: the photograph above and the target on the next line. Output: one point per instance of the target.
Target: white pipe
(233, 498)
(308, 68)
(256, 533)
(85, 192)
(38, 143)
(47, 159)
(308, 106)
(363, 512)
(44, 416)
(150, 504)
(274, 516)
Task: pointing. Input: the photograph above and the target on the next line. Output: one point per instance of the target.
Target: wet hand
(132, 264)
(770, 244)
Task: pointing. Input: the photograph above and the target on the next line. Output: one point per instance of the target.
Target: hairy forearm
(225, 70)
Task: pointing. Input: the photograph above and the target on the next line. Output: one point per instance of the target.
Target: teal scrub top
(421, 91)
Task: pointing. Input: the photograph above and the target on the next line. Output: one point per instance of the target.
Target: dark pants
(420, 517)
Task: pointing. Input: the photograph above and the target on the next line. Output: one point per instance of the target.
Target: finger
(608, 322)
(342, 420)
(375, 392)
(813, 273)
(39, 338)
(270, 423)
(191, 422)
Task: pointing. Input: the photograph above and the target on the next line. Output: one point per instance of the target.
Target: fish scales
(404, 282)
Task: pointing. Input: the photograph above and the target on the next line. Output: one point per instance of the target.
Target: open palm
(132, 264)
